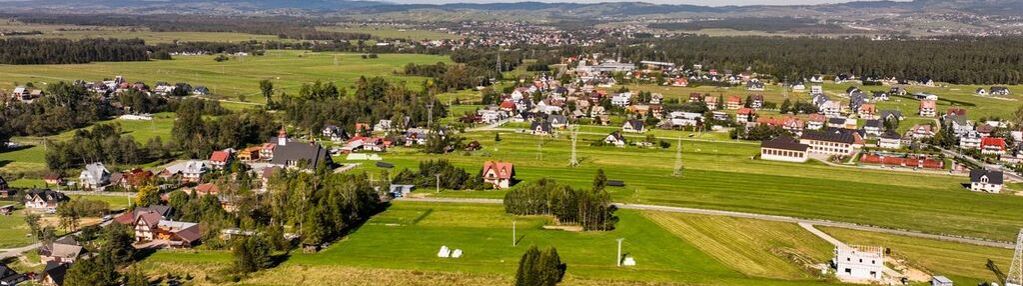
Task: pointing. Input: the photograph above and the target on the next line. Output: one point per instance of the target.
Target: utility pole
(429, 114)
(574, 162)
(438, 182)
(1015, 277)
(514, 236)
(618, 259)
(678, 159)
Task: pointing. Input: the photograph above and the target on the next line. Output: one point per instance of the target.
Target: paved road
(788, 219)
(1009, 174)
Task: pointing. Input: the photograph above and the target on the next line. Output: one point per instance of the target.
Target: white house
(890, 140)
(94, 176)
(621, 99)
(633, 126)
(982, 180)
(970, 140)
(785, 149)
(859, 262)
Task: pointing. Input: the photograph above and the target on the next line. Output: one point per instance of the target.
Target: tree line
(66, 106)
(591, 209)
(374, 99)
(451, 177)
(23, 51)
(959, 60)
(102, 143)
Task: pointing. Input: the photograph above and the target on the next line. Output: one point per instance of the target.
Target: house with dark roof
(999, 90)
(292, 153)
(634, 126)
(63, 250)
(10, 277)
(542, 128)
(44, 199)
(988, 181)
(615, 138)
(832, 141)
(872, 128)
(53, 273)
(890, 140)
(785, 149)
(94, 176)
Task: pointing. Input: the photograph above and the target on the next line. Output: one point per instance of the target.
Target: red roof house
(499, 174)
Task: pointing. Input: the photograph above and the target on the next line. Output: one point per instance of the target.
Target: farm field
(391, 32)
(13, 229)
(408, 235)
(76, 32)
(236, 79)
(721, 175)
(964, 264)
(32, 157)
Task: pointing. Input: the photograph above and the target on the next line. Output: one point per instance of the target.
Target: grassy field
(13, 229)
(392, 32)
(755, 248)
(75, 32)
(964, 264)
(721, 175)
(408, 235)
(32, 158)
(236, 79)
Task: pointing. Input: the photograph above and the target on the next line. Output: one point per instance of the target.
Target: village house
(334, 133)
(832, 141)
(615, 138)
(992, 145)
(733, 102)
(957, 123)
(621, 99)
(292, 153)
(859, 262)
(558, 121)
(844, 123)
(94, 176)
(831, 109)
(816, 89)
(927, 108)
(785, 149)
(988, 181)
(44, 199)
(220, 159)
(815, 121)
(970, 140)
(541, 128)
(756, 101)
(919, 132)
(678, 119)
(186, 171)
(867, 111)
(53, 274)
(634, 126)
(711, 101)
(872, 128)
(755, 85)
(62, 250)
(249, 154)
(981, 91)
(745, 115)
(789, 123)
(498, 174)
(151, 226)
(890, 140)
(135, 178)
(10, 277)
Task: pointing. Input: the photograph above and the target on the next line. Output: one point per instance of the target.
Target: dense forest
(20, 51)
(961, 60)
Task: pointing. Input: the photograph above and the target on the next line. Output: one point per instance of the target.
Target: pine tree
(600, 181)
(527, 274)
(785, 106)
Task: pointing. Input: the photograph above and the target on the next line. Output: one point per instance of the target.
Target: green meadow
(722, 175)
(236, 79)
(31, 159)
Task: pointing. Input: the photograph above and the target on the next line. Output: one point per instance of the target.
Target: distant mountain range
(611, 9)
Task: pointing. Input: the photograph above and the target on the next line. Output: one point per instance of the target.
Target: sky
(689, 2)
